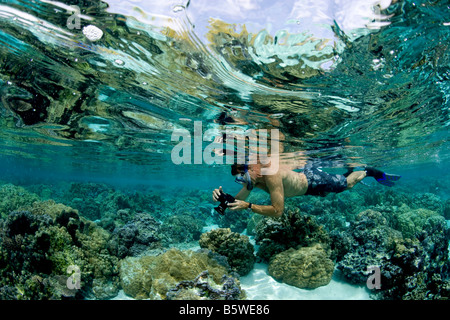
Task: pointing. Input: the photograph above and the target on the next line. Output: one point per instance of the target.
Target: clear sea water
(358, 81)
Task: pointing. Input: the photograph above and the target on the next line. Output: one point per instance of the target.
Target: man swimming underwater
(289, 183)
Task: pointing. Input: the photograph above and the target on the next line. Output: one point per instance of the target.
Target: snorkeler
(289, 183)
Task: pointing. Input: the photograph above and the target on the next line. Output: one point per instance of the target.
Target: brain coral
(305, 268)
(154, 276)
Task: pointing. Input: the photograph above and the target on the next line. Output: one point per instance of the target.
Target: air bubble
(178, 8)
(92, 33)
(276, 115)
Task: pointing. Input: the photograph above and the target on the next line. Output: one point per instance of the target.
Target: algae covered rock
(305, 268)
(236, 247)
(155, 276)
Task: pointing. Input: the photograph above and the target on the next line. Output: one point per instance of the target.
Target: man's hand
(216, 193)
(238, 205)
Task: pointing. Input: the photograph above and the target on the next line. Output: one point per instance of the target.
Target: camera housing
(224, 199)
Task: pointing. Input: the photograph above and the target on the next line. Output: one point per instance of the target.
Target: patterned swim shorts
(321, 183)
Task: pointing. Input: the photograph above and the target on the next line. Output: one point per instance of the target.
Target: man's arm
(243, 194)
(275, 185)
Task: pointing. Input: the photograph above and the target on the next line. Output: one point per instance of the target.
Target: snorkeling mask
(244, 178)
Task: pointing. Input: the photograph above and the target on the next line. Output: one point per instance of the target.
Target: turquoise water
(87, 121)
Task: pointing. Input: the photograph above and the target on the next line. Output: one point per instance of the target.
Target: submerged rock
(305, 268)
(371, 240)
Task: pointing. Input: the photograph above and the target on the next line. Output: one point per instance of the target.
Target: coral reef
(40, 243)
(236, 247)
(405, 234)
(412, 222)
(409, 258)
(135, 237)
(305, 268)
(236, 221)
(98, 201)
(447, 209)
(182, 228)
(371, 240)
(159, 277)
(14, 198)
(203, 287)
(292, 230)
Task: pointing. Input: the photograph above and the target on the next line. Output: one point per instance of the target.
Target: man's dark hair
(235, 167)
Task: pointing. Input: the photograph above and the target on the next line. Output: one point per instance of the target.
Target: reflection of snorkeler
(289, 183)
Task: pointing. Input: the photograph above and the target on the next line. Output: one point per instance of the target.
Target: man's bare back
(289, 183)
(294, 183)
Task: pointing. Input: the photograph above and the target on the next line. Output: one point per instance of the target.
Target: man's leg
(355, 177)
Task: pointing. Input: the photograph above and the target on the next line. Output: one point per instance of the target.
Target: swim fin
(385, 179)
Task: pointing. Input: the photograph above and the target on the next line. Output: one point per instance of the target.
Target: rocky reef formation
(396, 232)
(368, 239)
(204, 287)
(38, 247)
(13, 198)
(99, 201)
(128, 246)
(176, 274)
(297, 249)
(292, 230)
(413, 260)
(182, 228)
(236, 247)
(135, 237)
(305, 268)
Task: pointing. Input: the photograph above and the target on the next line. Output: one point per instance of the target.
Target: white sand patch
(259, 285)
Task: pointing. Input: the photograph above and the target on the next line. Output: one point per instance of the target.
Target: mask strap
(249, 181)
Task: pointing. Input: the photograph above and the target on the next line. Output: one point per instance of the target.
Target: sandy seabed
(259, 285)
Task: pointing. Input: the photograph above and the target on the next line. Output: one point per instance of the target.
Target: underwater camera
(224, 199)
